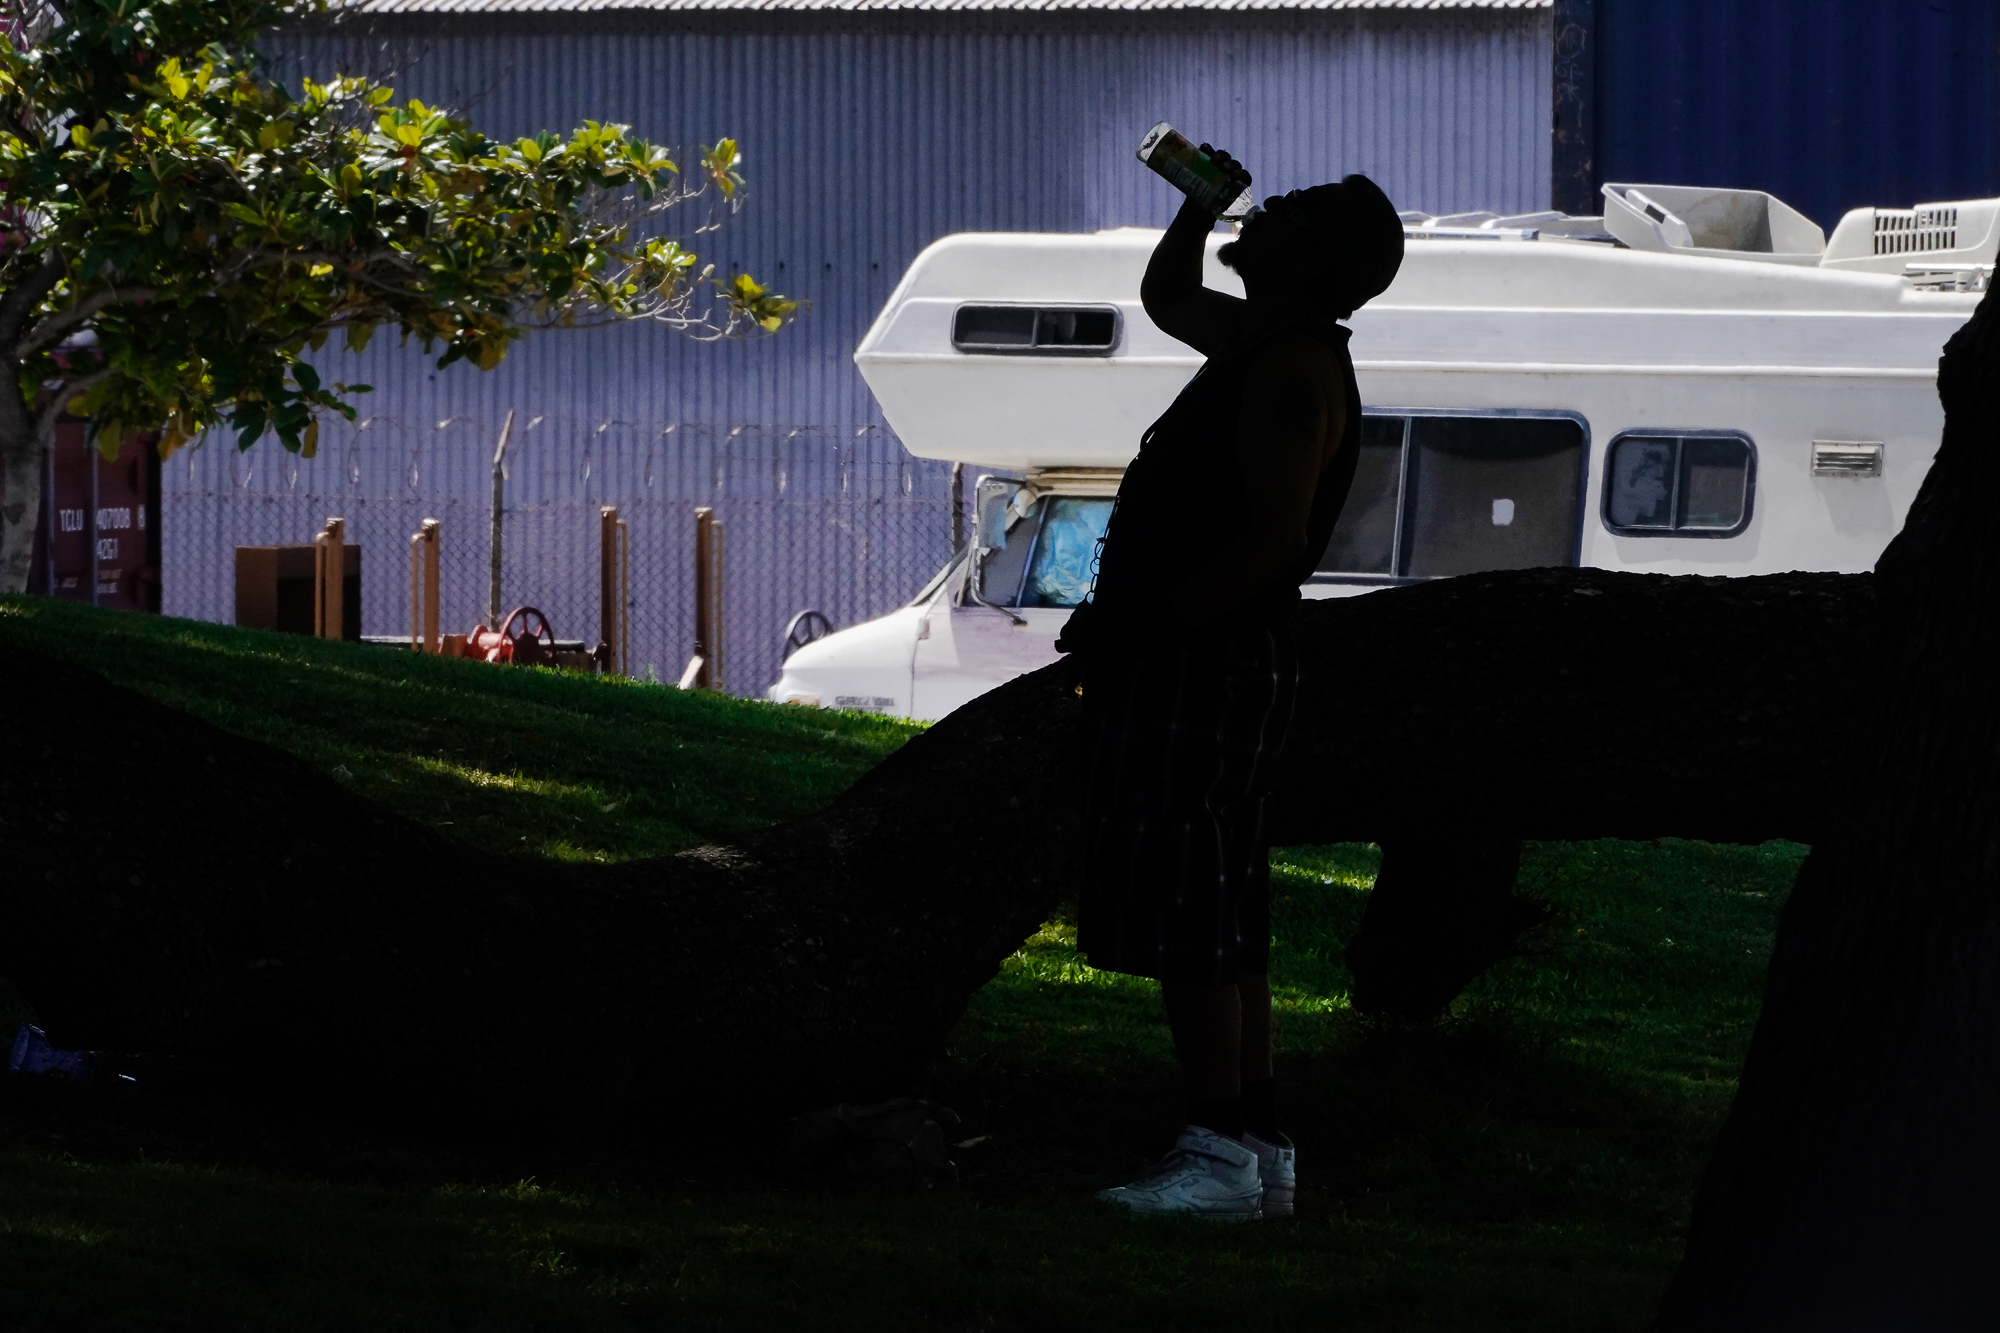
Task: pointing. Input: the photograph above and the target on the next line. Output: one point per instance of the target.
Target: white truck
(1699, 382)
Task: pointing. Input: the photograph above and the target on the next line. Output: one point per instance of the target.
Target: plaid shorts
(1178, 754)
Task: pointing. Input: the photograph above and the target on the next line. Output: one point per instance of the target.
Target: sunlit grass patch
(1050, 957)
(521, 760)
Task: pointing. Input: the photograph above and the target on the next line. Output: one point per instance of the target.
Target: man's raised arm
(1172, 292)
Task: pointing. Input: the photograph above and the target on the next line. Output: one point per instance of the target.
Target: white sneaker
(1277, 1167)
(1206, 1175)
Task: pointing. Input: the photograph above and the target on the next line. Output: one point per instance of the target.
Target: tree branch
(64, 322)
(18, 303)
(45, 420)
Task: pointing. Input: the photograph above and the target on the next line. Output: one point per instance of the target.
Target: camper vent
(1903, 231)
(1847, 458)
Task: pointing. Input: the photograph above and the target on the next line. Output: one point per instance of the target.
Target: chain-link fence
(846, 523)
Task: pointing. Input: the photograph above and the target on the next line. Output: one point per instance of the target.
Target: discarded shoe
(1277, 1167)
(32, 1054)
(1206, 1175)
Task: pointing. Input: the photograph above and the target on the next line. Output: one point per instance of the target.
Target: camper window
(1035, 330)
(1441, 493)
(1679, 485)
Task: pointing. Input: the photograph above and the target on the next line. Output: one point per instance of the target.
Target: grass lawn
(1526, 1165)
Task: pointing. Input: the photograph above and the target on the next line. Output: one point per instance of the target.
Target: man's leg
(1253, 990)
(1259, 1089)
(1207, 1022)
(1211, 1172)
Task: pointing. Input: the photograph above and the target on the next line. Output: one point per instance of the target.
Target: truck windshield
(1065, 563)
(1050, 555)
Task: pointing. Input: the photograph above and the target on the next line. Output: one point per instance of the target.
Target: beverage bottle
(1192, 172)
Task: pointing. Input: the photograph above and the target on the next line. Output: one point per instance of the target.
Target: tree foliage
(182, 230)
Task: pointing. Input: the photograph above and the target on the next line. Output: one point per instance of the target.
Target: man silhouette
(1188, 668)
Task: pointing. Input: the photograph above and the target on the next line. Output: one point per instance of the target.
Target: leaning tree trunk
(259, 918)
(1857, 1181)
(21, 457)
(1443, 910)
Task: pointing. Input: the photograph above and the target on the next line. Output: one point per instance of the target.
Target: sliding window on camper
(1443, 493)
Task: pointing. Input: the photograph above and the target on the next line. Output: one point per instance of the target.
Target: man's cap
(1358, 226)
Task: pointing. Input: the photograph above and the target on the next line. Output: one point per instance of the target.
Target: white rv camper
(1696, 383)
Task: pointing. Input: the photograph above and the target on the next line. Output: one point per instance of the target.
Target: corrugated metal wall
(865, 140)
(1828, 104)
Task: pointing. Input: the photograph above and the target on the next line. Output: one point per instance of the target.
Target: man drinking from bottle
(1188, 667)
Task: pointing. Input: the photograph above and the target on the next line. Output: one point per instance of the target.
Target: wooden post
(624, 594)
(330, 579)
(499, 503)
(424, 588)
(715, 626)
(704, 630)
(614, 572)
(704, 669)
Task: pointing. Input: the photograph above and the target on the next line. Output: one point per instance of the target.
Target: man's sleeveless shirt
(1182, 499)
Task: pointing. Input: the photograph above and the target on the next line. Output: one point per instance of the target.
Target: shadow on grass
(1525, 1165)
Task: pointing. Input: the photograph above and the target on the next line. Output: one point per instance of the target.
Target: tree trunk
(22, 455)
(257, 916)
(1856, 1184)
(1443, 910)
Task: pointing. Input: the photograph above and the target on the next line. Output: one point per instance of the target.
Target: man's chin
(1226, 256)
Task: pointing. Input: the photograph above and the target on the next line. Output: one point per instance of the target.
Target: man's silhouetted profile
(1189, 673)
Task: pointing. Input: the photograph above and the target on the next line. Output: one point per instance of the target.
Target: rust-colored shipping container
(98, 540)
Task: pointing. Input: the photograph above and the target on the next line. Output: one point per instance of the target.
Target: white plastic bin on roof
(1719, 224)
